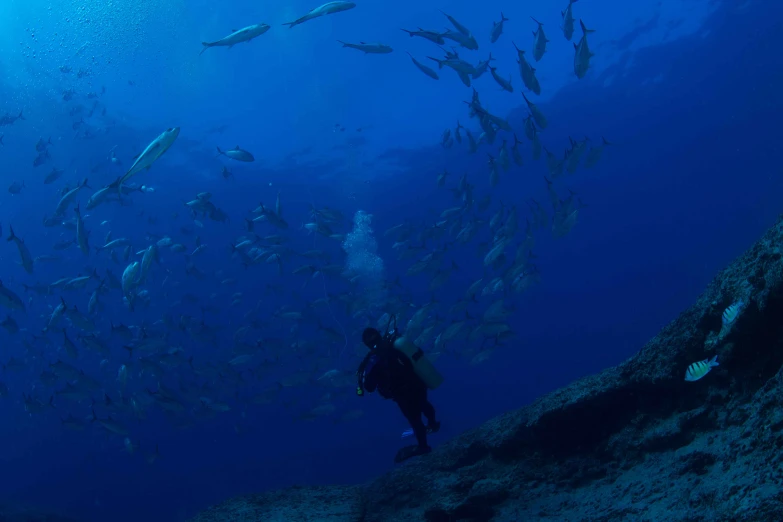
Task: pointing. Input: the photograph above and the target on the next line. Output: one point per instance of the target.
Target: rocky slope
(633, 443)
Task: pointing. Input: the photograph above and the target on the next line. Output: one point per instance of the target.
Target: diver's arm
(371, 379)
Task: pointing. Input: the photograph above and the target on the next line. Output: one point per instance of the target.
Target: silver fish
(245, 34)
(323, 10)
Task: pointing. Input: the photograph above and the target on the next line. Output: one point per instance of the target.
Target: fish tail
(605, 141)
(585, 30)
(440, 63)
(503, 17)
(206, 45)
(344, 44)
(21, 115)
(11, 231)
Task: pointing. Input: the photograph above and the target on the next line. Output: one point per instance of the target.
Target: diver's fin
(410, 451)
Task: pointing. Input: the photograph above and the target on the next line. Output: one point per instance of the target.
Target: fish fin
(585, 30)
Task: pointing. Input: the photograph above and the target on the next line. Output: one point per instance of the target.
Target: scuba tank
(421, 365)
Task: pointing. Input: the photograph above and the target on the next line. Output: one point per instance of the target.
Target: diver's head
(371, 337)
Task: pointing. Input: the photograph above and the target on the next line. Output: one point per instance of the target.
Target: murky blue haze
(686, 92)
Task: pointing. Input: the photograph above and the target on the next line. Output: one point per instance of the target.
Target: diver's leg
(429, 413)
(413, 414)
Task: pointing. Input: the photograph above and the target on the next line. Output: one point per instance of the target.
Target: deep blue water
(686, 92)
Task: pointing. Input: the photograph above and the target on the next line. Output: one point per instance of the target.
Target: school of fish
(104, 367)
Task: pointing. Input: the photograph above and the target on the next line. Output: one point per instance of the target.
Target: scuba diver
(398, 370)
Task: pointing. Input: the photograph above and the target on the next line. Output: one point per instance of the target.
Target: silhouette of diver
(391, 373)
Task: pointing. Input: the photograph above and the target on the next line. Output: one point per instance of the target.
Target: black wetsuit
(391, 373)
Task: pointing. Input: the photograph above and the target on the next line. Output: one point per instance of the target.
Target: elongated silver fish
(568, 20)
(539, 42)
(323, 10)
(149, 155)
(9, 299)
(24, 253)
(432, 36)
(368, 48)
(497, 29)
(245, 34)
(582, 53)
(81, 233)
(237, 154)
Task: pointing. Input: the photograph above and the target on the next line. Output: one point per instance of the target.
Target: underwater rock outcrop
(635, 442)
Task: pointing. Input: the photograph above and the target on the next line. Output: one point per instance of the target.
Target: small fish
(323, 10)
(53, 176)
(16, 187)
(368, 48)
(497, 29)
(504, 84)
(10, 325)
(24, 253)
(245, 34)
(237, 154)
(582, 53)
(699, 369)
(423, 68)
(148, 156)
(568, 20)
(432, 36)
(538, 116)
(540, 41)
(41, 158)
(731, 313)
(81, 233)
(41, 145)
